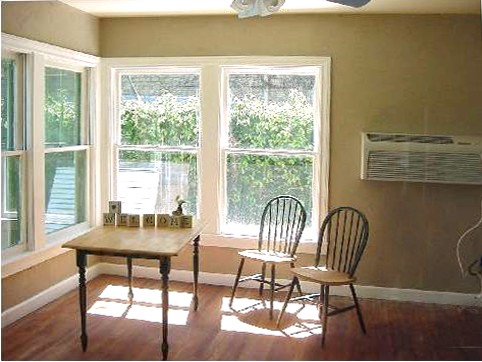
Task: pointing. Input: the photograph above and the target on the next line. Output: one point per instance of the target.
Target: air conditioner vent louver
(422, 158)
(384, 137)
(425, 166)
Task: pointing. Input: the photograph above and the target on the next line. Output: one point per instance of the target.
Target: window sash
(118, 146)
(18, 98)
(85, 89)
(315, 152)
(145, 70)
(84, 202)
(22, 213)
(84, 139)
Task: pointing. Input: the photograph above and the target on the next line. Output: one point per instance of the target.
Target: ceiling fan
(249, 8)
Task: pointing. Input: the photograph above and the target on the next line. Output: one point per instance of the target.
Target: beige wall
(389, 73)
(397, 73)
(52, 22)
(58, 24)
(27, 283)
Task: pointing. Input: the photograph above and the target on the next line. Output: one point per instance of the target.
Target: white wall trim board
(57, 290)
(47, 296)
(24, 45)
(363, 291)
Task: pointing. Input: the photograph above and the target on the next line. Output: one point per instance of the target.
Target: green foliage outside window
(254, 124)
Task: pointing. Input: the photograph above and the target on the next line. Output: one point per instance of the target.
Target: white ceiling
(118, 8)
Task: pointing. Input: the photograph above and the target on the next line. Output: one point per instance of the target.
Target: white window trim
(117, 145)
(64, 234)
(209, 159)
(315, 152)
(37, 55)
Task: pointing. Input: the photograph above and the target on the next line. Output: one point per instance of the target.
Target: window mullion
(35, 154)
(209, 170)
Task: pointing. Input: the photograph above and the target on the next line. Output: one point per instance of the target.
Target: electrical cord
(459, 259)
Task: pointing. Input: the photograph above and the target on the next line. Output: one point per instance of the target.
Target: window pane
(62, 107)
(252, 180)
(8, 104)
(65, 189)
(149, 182)
(11, 202)
(271, 111)
(160, 109)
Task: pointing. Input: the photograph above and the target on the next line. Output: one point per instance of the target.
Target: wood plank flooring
(117, 331)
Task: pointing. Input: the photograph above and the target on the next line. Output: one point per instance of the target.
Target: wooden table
(143, 243)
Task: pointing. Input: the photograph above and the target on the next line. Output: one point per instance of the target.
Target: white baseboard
(46, 296)
(57, 290)
(363, 291)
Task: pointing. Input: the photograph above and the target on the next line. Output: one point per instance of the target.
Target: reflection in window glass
(8, 104)
(11, 202)
(271, 111)
(65, 189)
(62, 107)
(160, 109)
(252, 180)
(148, 182)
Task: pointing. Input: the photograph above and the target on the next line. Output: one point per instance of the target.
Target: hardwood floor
(396, 330)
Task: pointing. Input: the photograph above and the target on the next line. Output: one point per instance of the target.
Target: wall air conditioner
(422, 158)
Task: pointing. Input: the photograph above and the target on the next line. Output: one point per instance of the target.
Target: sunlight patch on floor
(138, 312)
(144, 295)
(249, 315)
(154, 314)
(108, 309)
(308, 311)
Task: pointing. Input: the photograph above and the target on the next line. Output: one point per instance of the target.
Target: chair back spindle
(345, 234)
(282, 224)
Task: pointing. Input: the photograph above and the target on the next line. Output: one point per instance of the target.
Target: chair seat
(322, 275)
(267, 257)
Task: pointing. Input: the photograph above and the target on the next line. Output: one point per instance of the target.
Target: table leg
(165, 267)
(195, 264)
(81, 263)
(130, 294)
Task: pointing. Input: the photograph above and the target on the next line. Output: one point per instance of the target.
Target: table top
(145, 241)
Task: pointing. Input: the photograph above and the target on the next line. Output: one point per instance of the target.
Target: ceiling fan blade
(352, 3)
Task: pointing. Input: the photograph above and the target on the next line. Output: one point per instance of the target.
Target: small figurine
(178, 211)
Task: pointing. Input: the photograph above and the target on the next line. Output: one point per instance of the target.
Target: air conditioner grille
(465, 168)
(401, 138)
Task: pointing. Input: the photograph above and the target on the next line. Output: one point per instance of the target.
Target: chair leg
(288, 297)
(358, 310)
(324, 320)
(272, 287)
(261, 285)
(321, 301)
(298, 284)
(236, 281)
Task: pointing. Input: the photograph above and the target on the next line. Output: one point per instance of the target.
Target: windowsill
(243, 242)
(27, 259)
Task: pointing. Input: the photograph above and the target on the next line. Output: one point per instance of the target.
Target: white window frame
(210, 163)
(38, 55)
(20, 149)
(117, 145)
(63, 234)
(317, 139)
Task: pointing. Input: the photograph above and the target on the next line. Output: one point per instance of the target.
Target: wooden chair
(282, 224)
(345, 233)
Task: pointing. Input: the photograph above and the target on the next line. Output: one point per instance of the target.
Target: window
(225, 133)
(13, 153)
(49, 183)
(270, 146)
(158, 143)
(65, 149)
